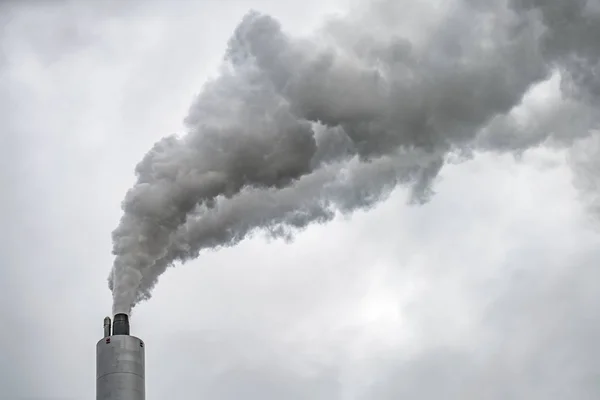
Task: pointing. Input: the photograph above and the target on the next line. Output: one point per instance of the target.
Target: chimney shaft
(120, 363)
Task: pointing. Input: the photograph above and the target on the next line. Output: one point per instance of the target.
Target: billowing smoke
(295, 130)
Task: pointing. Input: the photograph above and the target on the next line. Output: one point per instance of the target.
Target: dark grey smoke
(297, 129)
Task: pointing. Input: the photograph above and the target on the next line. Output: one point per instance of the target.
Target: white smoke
(297, 129)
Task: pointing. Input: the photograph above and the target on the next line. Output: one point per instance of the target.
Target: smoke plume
(295, 130)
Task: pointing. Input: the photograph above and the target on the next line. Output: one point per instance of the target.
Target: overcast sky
(489, 291)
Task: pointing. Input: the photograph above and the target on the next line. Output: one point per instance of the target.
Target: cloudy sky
(489, 291)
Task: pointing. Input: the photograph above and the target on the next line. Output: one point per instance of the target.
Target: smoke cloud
(295, 130)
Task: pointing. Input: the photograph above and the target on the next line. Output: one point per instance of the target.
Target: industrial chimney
(120, 363)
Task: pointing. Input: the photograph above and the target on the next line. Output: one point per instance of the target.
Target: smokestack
(121, 324)
(120, 363)
(107, 327)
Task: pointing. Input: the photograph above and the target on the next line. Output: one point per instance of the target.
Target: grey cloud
(584, 158)
(535, 340)
(521, 347)
(570, 39)
(253, 127)
(229, 370)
